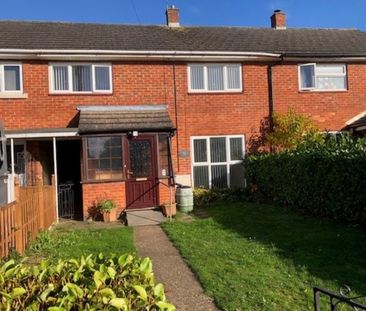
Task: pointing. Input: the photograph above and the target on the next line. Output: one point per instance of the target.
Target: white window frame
(208, 163)
(205, 78)
(315, 88)
(2, 77)
(69, 73)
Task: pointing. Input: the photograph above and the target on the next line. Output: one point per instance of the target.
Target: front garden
(259, 257)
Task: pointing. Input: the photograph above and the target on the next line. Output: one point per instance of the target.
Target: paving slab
(181, 286)
(144, 217)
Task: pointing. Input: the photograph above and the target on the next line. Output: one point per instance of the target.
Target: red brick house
(116, 110)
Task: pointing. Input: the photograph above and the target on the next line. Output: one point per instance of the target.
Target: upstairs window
(11, 78)
(323, 77)
(215, 78)
(81, 78)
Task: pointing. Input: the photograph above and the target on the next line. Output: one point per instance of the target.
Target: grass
(73, 243)
(260, 257)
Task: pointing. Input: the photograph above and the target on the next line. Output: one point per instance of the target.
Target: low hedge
(203, 197)
(91, 283)
(326, 180)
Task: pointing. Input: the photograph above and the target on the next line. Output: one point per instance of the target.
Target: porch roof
(107, 119)
(359, 124)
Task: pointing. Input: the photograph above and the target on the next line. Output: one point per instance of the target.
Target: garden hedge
(326, 180)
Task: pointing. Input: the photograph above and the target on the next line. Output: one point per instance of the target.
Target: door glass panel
(140, 158)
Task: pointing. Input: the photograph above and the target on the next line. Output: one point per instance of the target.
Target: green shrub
(91, 283)
(325, 179)
(203, 197)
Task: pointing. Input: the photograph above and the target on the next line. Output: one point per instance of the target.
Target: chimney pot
(172, 16)
(278, 20)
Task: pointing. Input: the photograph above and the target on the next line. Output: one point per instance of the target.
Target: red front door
(142, 182)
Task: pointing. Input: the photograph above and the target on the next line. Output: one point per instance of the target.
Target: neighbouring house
(117, 111)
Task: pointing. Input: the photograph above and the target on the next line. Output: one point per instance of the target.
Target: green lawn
(260, 257)
(73, 243)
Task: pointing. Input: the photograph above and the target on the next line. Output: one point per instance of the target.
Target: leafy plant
(89, 283)
(291, 130)
(203, 197)
(106, 206)
(324, 179)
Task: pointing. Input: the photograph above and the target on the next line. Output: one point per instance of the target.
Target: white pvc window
(214, 78)
(80, 78)
(217, 161)
(11, 78)
(323, 77)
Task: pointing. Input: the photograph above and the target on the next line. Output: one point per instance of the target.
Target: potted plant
(106, 208)
(169, 210)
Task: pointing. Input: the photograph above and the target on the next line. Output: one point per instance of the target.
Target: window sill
(323, 91)
(214, 92)
(80, 93)
(14, 95)
(101, 181)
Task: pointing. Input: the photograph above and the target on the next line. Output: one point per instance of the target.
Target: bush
(326, 179)
(203, 197)
(91, 283)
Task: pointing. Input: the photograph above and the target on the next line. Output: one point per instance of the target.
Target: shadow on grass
(327, 250)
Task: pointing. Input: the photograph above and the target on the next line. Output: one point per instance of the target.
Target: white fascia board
(355, 118)
(134, 55)
(41, 135)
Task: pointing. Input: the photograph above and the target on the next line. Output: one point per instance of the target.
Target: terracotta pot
(169, 211)
(110, 217)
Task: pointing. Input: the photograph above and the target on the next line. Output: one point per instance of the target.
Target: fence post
(41, 205)
(19, 243)
(54, 198)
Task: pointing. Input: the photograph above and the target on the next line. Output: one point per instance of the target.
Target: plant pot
(109, 216)
(169, 211)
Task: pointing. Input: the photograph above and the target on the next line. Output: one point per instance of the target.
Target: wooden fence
(33, 210)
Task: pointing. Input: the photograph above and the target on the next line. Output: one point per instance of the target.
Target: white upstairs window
(323, 77)
(214, 78)
(11, 78)
(80, 78)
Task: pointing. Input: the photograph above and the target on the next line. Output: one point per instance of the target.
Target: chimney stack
(172, 16)
(278, 20)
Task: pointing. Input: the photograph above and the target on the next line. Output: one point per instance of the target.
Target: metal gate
(337, 301)
(66, 201)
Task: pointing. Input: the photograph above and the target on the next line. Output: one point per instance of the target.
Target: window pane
(200, 174)
(200, 150)
(237, 175)
(219, 176)
(81, 78)
(218, 149)
(236, 148)
(104, 158)
(215, 76)
(197, 77)
(60, 78)
(12, 78)
(307, 76)
(102, 82)
(164, 158)
(330, 69)
(331, 83)
(233, 77)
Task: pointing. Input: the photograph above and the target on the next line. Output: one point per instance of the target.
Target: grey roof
(68, 36)
(359, 122)
(103, 119)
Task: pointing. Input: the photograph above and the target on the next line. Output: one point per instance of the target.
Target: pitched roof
(102, 119)
(79, 36)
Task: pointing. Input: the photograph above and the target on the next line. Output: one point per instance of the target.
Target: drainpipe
(176, 111)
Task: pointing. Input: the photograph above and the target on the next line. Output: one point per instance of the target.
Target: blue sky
(255, 13)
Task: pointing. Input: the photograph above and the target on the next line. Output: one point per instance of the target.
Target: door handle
(129, 172)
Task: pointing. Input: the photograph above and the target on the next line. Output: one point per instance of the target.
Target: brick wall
(95, 192)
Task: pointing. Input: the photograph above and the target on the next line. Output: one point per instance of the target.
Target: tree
(290, 130)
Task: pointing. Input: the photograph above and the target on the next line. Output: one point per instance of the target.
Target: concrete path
(144, 218)
(181, 286)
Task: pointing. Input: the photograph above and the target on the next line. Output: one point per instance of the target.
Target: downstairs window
(217, 161)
